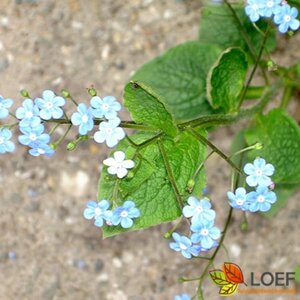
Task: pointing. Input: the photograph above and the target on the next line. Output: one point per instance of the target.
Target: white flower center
(258, 172)
(32, 136)
(105, 106)
(182, 246)
(109, 131)
(29, 114)
(49, 105)
(1, 140)
(240, 201)
(84, 118)
(124, 213)
(260, 199)
(255, 6)
(41, 151)
(98, 211)
(287, 18)
(199, 209)
(270, 4)
(204, 231)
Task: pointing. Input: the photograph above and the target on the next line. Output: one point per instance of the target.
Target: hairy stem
(170, 173)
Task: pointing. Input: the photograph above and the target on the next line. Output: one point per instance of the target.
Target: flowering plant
(157, 174)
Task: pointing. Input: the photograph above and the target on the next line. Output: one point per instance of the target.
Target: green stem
(64, 136)
(170, 173)
(287, 95)
(205, 141)
(242, 98)
(54, 128)
(254, 92)
(11, 114)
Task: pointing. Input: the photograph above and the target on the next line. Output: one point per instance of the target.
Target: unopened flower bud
(65, 93)
(71, 146)
(24, 93)
(92, 92)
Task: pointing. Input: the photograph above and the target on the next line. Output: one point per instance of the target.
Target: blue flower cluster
(283, 14)
(262, 198)
(109, 130)
(122, 215)
(204, 233)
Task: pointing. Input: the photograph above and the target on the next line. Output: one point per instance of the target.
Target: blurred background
(47, 249)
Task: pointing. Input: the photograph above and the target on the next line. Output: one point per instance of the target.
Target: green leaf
(149, 187)
(180, 76)
(147, 107)
(297, 274)
(226, 80)
(219, 277)
(280, 135)
(283, 193)
(218, 26)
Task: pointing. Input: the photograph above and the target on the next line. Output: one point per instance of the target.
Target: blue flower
(182, 297)
(28, 114)
(33, 134)
(286, 18)
(184, 245)
(270, 7)
(4, 105)
(83, 118)
(238, 200)
(258, 172)
(199, 210)
(5, 144)
(254, 9)
(261, 199)
(98, 211)
(124, 214)
(50, 105)
(39, 148)
(206, 234)
(109, 132)
(106, 107)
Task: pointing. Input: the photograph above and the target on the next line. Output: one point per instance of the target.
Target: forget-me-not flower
(5, 104)
(124, 214)
(238, 199)
(199, 210)
(98, 211)
(83, 118)
(254, 9)
(184, 245)
(28, 113)
(50, 105)
(6, 145)
(261, 199)
(259, 172)
(287, 18)
(106, 107)
(205, 233)
(118, 165)
(110, 132)
(182, 297)
(270, 7)
(39, 148)
(33, 134)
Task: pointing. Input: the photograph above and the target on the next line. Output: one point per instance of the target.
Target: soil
(47, 249)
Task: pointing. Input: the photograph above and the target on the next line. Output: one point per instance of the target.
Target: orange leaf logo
(233, 273)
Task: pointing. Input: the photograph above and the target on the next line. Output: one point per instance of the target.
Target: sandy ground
(47, 249)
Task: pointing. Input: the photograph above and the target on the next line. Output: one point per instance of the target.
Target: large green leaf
(180, 76)
(149, 186)
(147, 107)
(280, 135)
(219, 26)
(226, 79)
